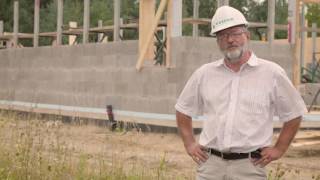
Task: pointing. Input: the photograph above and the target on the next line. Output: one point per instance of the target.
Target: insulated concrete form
(94, 75)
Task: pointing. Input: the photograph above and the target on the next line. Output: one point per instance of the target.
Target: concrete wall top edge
(109, 44)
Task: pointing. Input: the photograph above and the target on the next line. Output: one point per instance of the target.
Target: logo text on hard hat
(223, 21)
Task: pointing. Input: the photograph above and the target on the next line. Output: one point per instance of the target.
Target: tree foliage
(313, 14)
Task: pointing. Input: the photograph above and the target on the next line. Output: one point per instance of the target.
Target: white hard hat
(226, 17)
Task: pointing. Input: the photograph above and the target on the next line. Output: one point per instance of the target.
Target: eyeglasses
(233, 35)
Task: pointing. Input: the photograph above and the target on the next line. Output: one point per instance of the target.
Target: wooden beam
(311, 1)
(146, 17)
(150, 35)
(203, 21)
(48, 34)
(5, 37)
(309, 29)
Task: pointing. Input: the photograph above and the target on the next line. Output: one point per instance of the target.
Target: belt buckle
(222, 155)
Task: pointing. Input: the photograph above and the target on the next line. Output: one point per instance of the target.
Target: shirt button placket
(231, 110)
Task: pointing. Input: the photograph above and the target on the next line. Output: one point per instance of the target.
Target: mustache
(232, 46)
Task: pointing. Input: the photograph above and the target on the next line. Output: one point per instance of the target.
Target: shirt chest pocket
(253, 101)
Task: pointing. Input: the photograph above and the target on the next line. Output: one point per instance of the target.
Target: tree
(258, 12)
(313, 14)
(26, 16)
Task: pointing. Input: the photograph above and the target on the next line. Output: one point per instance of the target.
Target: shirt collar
(253, 61)
(218, 63)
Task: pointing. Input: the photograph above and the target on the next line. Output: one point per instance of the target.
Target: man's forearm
(184, 123)
(194, 149)
(287, 134)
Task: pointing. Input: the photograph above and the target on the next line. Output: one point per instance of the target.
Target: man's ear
(248, 34)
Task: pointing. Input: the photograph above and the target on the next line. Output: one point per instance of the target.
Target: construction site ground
(302, 161)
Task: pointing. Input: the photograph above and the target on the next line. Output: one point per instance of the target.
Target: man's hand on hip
(268, 154)
(197, 152)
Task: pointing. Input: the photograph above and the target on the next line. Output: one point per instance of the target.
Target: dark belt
(234, 156)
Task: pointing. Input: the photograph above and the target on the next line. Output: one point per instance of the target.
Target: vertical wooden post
(100, 35)
(36, 23)
(15, 23)
(72, 38)
(1, 28)
(292, 16)
(86, 21)
(302, 36)
(176, 15)
(174, 25)
(116, 19)
(146, 18)
(120, 30)
(296, 63)
(195, 27)
(271, 17)
(314, 43)
(59, 22)
(1, 32)
(169, 33)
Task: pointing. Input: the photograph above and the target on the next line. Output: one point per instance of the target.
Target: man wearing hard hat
(238, 96)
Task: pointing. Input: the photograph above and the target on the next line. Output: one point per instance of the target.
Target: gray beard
(235, 55)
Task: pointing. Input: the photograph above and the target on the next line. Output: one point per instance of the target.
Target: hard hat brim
(214, 33)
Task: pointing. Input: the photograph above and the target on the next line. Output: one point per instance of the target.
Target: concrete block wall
(95, 75)
(92, 75)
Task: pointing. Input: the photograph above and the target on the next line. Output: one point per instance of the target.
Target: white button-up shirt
(238, 107)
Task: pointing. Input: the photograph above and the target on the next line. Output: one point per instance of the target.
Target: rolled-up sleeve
(190, 102)
(288, 102)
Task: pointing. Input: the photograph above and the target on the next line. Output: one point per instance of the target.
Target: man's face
(233, 42)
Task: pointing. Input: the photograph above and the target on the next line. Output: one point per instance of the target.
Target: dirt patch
(298, 163)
